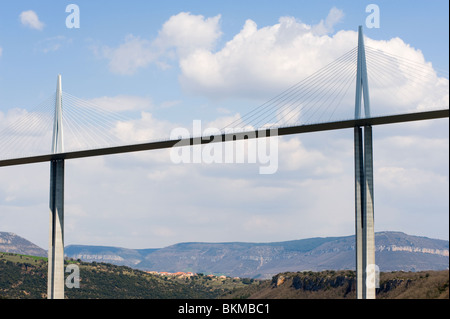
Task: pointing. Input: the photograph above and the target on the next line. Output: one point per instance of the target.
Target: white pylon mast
(57, 144)
(55, 282)
(364, 202)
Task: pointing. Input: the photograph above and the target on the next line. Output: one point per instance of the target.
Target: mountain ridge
(12, 243)
(394, 251)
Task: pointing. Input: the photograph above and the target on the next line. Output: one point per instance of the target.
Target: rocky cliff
(342, 285)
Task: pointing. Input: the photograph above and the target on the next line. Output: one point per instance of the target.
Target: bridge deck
(408, 117)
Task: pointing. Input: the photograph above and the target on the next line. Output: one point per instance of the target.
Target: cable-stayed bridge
(65, 127)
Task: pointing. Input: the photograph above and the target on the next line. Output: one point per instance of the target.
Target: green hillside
(24, 277)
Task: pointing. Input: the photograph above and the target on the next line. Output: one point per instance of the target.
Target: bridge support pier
(55, 288)
(364, 219)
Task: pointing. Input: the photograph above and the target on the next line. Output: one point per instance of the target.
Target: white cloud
(146, 128)
(30, 19)
(187, 33)
(264, 61)
(267, 59)
(1, 51)
(410, 180)
(270, 59)
(260, 62)
(327, 26)
(181, 35)
(298, 157)
(135, 53)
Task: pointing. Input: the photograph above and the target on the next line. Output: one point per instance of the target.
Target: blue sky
(141, 54)
(423, 25)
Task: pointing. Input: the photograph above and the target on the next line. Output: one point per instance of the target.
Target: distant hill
(11, 243)
(395, 251)
(114, 255)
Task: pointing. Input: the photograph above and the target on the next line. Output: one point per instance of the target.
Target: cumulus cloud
(187, 33)
(272, 58)
(181, 35)
(260, 62)
(254, 60)
(31, 20)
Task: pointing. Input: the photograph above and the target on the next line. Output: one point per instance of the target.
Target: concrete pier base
(364, 214)
(55, 283)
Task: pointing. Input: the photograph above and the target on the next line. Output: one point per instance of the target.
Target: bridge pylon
(364, 203)
(55, 282)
